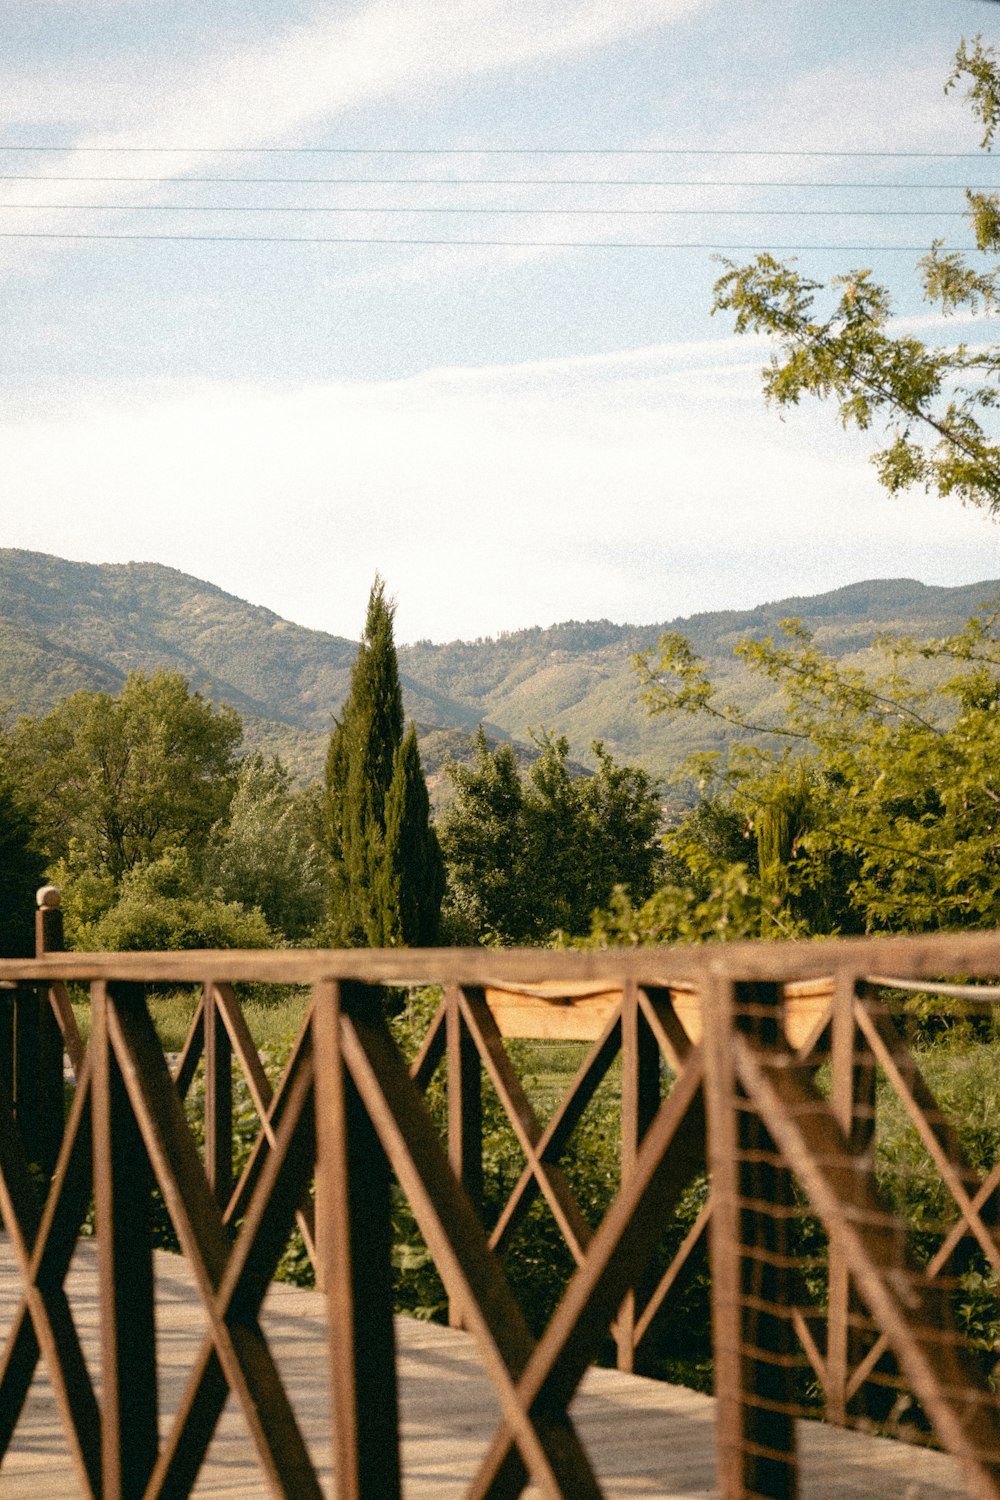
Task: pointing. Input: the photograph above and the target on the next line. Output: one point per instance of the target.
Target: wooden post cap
(48, 895)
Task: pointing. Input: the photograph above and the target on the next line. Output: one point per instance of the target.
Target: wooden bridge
(765, 1066)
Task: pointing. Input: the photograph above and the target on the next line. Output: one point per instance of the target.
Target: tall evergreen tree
(416, 865)
(386, 871)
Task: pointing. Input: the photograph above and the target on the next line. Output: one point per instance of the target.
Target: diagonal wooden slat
(914, 1316)
(806, 1337)
(546, 1439)
(43, 1324)
(552, 1140)
(671, 1154)
(244, 1047)
(935, 1130)
(690, 1252)
(244, 1284)
(661, 1017)
(191, 1052)
(550, 1177)
(240, 1348)
(63, 1012)
(432, 1048)
(977, 1201)
(270, 1123)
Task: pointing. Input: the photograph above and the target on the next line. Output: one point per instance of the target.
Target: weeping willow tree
(795, 876)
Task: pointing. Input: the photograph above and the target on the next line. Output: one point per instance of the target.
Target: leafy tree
(934, 400)
(386, 882)
(484, 842)
(264, 855)
(528, 858)
(882, 810)
(120, 779)
(159, 907)
(21, 869)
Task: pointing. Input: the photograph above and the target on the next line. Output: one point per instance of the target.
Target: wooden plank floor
(648, 1441)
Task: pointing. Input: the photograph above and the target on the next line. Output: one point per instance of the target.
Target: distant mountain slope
(67, 625)
(579, 680)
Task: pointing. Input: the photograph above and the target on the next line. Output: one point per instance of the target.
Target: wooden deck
(648, 1441)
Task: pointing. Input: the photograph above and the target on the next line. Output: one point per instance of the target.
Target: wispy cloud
(290, 85)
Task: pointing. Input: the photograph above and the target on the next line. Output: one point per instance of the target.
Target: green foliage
(264, 853)
(721, 908)
(528, 857)
(882, 812)
(415, 876)
(157, 908)
(21, 868)
(935, 400)
(121, 779)
(385, 881)
(962, 1071)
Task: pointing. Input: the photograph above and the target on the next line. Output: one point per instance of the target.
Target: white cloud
(634, 486)
(309, 73)
(285, 85)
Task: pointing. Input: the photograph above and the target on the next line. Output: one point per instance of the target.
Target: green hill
(67, 625)
(578, 678)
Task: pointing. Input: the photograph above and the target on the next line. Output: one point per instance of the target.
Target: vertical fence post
(640, 1100)
(852, 1101)
(755, 1431)
(465, 1113)
(354, 1231)
(37, 1047)
(122, 1211)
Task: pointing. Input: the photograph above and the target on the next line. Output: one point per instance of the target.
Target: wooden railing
(819, 1301)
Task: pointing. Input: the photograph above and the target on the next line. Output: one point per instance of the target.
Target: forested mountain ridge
(578, 678)
(68, 625)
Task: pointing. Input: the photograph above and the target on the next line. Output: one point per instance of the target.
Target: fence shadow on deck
(820, 1302)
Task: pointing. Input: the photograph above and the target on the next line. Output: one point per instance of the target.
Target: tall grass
(273, 1013)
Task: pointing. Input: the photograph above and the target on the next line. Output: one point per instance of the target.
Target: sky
(275, 311)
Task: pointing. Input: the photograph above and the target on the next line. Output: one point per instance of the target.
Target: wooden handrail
(749, 1102)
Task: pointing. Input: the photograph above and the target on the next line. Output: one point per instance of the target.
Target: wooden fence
(822, 1298)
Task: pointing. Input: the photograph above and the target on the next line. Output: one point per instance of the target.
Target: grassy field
(273, 1013)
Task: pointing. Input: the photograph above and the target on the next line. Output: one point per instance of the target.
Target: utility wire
(482, 151)
(283, 239)
(245, 208)
(949, 187)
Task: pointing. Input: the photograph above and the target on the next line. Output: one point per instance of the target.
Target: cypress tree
(414, 862)
(386, 881)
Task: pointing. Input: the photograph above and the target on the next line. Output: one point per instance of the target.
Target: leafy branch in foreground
(881, 811)
(935, 400)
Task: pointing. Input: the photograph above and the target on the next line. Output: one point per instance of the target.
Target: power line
(950, 187)
(270, 208)
(485, 151)
(282, 239)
